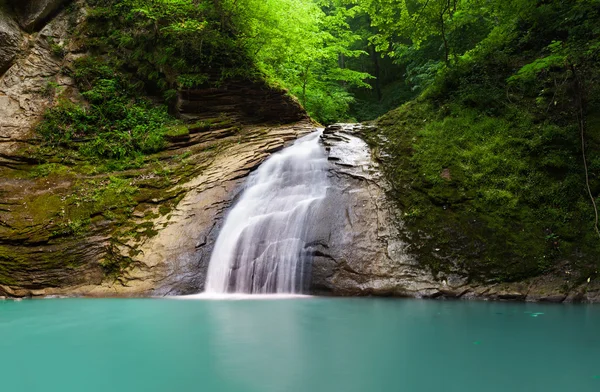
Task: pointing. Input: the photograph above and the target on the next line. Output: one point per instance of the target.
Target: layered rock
(360, 247)
(247, 101)
(175, 260)
(361, 252)
(159, 241)
(27, 88)
(10, 39)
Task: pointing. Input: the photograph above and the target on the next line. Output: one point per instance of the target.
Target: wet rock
(173, 260)
(511, 296)
(554, 298)
(364, 251)
(33, 14)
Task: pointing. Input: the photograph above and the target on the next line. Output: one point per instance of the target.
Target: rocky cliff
(68, 230)
(364, 249)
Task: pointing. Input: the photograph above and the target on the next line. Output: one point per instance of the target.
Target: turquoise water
(304, 345)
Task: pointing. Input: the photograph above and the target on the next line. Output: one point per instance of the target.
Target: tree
(301, 45)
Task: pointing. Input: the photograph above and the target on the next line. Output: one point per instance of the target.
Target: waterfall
(262, 247)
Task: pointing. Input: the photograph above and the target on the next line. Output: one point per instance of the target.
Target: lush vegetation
(139, 49)
(294, 44)
(493, 153)
(113, 123)
(495, 165)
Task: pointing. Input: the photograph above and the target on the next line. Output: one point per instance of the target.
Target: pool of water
(302, 344)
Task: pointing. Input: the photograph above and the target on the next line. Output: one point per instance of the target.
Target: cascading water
(262, 247)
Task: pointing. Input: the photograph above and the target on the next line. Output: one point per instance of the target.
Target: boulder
(10, 40)
(32, 14)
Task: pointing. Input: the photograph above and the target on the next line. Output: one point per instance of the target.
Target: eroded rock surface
(363, 249)
(10, 39)
(360, 247)
(33, 13)
(27, 87)
(175, 261)
(250, 102)
(362, 252)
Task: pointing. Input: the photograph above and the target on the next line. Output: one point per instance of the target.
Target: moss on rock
(494, 189)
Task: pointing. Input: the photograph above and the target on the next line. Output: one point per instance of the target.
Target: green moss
(115, 123)
(177, 131)
(114, 263)
(164, 210)
(9, 262)
(103, 152)
(486, 165)
(57, 49)
(143, 230)
(479, 195)
(16, 268)
(49, 170)
(205, 126)
(42, 209)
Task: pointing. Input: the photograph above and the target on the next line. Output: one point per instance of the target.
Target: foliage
(114, 123)
(487, 163)
(497, 101)
(300, 45)
(169, 43)
(295, 44)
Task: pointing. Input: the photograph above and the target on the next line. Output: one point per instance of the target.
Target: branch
(420, 13)
(581, 124)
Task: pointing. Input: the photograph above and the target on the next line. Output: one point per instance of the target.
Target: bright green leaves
(531, 70)
(298, 44)
(186, 27)
(301, 45)
(557, 58)
(115, 125)
(427, 35)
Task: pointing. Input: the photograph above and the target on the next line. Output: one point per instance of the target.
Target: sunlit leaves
(298, 44)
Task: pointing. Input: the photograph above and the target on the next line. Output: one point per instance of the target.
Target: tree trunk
(376, 72)
(304, 83)
(443, 28)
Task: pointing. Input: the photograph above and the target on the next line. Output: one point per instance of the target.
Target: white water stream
(261, 248)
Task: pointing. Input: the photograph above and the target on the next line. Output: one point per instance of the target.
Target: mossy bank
(495, 166)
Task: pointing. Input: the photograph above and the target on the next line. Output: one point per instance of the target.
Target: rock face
(363, 250)
(360, 247)
(24, 89)
(171, 227)
(175, 261)
(251, 102)
(360, 251)
(10, 40)
(33, 13)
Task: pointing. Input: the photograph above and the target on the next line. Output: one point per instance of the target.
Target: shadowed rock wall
(32, 14)
(249, 102)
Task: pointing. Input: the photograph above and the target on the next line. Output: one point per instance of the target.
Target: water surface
(303, 344)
